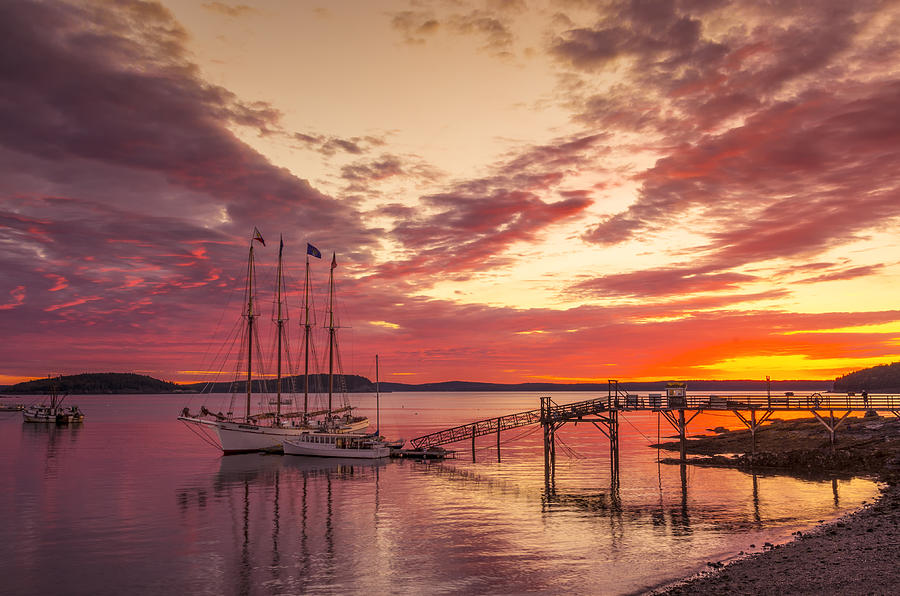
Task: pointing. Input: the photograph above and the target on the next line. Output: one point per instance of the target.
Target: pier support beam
(680, 426)
(753, 424)
(831, 424)
(473, 444)
(609, 426)
(498, 440)
(549, 438)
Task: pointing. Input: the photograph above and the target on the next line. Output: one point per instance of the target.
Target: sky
(515, 191)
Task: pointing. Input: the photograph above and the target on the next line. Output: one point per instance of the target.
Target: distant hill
(318, 383)
(884, 378)
(94, 383)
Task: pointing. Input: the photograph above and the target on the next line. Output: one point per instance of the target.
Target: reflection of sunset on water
(134, 500)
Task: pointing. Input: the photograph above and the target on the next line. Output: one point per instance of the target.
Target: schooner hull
(238, 437)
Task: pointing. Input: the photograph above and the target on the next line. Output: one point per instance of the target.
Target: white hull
(336, 445)
(238, 437)
(51, 415)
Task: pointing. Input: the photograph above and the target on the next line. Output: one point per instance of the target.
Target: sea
(133, 502)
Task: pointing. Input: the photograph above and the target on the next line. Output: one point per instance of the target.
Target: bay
(132, 501)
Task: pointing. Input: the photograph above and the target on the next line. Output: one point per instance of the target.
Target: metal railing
(657, 402)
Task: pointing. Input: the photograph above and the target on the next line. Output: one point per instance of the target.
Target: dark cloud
(415, 26)
(845, 274)
(229, 10)
(496, 33)
(794, 180)
(329, 145)
(664, 281)
(127, 202)
(490, 25)
(477, 220)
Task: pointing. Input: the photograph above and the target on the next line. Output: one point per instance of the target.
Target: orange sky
(516, 191)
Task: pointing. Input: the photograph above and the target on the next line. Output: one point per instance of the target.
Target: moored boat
(346, 445)
(54, 412)
(263, 431)
(267, 430)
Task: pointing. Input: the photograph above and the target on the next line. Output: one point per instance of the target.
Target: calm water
(132, 502)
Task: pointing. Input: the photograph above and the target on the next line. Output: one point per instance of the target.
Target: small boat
(11, 407)
(55, 413)
(423, 453)
(346, 445)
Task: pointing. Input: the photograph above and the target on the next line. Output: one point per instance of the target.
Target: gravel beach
(856, 554)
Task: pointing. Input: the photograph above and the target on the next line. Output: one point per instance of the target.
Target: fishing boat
(54, 412)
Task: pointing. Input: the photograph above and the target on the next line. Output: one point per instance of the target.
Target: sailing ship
(55, 412)
(266, 430)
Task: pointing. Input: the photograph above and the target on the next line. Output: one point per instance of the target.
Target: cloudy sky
(515, 190)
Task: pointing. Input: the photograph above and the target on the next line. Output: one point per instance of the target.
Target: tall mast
(250, 316)
(251, 271)
(377, 401)
(331, 332)
(280, 324)
(306, 342)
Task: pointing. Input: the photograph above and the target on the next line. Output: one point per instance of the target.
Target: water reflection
(259, 492)
(53, 440)
(130, 494)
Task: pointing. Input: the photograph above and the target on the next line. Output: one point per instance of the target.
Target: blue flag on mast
(312, 250)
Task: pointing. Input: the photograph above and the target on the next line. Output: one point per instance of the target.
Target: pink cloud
(18, 298)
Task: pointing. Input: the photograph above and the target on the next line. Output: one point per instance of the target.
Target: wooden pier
(675, 405)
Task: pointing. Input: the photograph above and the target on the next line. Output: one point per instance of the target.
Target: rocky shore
(856, 554)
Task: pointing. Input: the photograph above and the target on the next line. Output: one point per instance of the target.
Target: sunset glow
(516, 191)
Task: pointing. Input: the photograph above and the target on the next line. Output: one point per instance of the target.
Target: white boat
(346, 445)
(267, 430)
(54, 413)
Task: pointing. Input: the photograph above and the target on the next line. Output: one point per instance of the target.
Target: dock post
(473, 443)
(682, 438)
(498, 440)
(753, 431)
(832, 429)
(614, 445)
